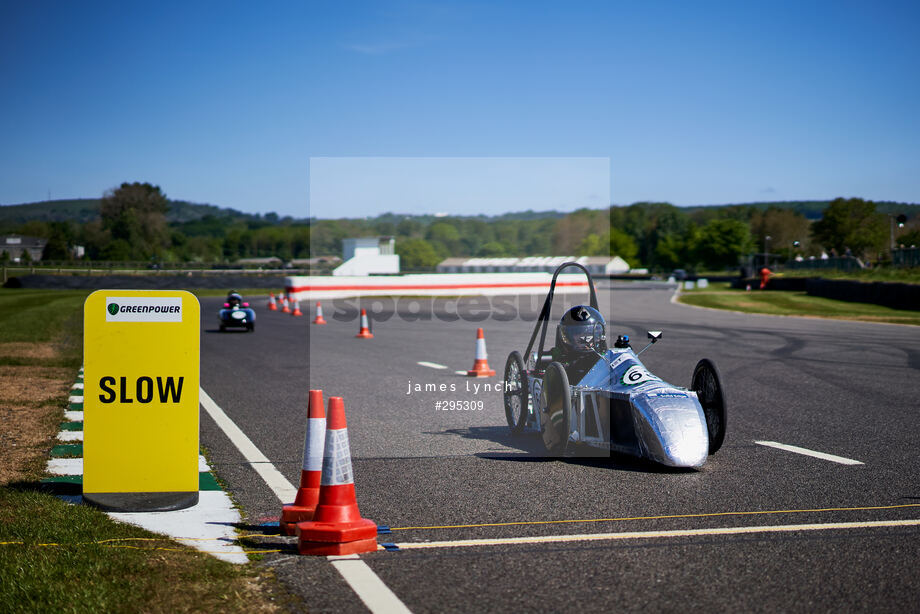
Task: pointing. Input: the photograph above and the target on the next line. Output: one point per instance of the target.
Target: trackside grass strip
(57, 557)
(775, 302)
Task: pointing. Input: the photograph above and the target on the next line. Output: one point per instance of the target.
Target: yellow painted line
(555, 539)
(665, 517)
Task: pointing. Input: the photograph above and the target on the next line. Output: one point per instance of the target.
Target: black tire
(708, 387)
(251, 327)
(223, 328)
(555, 409)
(516, 392)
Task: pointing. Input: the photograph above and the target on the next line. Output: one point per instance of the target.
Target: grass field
(60, 557)
(721, 296)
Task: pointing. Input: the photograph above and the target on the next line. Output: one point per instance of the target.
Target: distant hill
(83, 210)
(78, 210)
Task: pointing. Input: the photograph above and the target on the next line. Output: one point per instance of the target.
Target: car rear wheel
(251, 327)
(515, 390)
(555, 409)
(223, 328)
(708, 387)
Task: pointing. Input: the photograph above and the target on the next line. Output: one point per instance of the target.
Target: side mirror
(245, 304)
(226, 305)
(653, 335)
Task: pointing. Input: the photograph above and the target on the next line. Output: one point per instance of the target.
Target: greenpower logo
(143, 308)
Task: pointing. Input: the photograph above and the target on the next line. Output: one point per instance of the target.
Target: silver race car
(582, 392)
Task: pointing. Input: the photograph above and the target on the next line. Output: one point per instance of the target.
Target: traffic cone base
(480, 369)
(292, 514)
(333, 549)
(304, 505)
(337, 532)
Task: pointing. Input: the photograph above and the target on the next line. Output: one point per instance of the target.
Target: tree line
(132, 226)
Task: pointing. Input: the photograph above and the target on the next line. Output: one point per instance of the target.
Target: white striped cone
(271, 302)
(337, 526)
(297, 311)
(311, 472)
(285, 306)
(480, 364)
(365, 331)
(319, 319)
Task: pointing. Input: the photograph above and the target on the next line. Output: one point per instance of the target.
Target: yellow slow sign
(140, 387)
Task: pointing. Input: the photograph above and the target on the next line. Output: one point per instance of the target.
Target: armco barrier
(458, 284)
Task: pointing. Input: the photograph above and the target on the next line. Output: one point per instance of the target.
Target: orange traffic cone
(480, 365)
(308, 494)
(319, 314)
(271, 302)
(285, 307)
(297, 311)
(337, 526)
(365, 331)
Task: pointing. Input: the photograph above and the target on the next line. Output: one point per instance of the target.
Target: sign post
(140, 399)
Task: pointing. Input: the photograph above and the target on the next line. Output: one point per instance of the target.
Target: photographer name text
(469, 386)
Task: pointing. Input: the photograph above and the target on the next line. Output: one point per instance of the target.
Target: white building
(368, 256)
(596, 265)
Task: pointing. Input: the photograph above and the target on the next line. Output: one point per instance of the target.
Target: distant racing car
(613, 402)
(236, 314)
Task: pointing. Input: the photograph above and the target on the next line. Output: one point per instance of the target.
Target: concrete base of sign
(142, 501)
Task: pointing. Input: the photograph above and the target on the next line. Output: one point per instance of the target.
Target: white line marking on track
(279, 484)
(363, 581)
(376, 595)
(432, 365)
(460, 372)
(549, 539)
(807, 452)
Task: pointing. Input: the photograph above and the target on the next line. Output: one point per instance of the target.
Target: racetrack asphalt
(842, 388)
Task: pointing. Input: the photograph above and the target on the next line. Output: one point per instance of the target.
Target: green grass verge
(43, 316)
(721, 296)
(58, 557)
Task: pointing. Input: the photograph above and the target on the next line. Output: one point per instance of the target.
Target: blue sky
(691, 102)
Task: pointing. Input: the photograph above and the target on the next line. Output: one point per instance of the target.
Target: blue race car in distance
(236, 314)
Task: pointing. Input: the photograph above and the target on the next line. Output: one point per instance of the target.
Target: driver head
(582, 328)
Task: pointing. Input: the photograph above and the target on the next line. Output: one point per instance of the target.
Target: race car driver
(579, 336)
